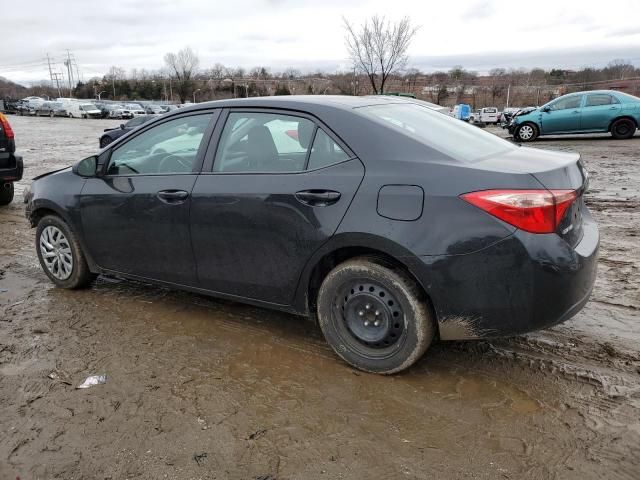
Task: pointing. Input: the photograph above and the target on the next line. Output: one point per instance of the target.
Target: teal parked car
(583, 112)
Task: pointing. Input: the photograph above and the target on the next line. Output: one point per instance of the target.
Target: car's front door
(563, 115)
(599, 109)
(135, 217)
(278, 189)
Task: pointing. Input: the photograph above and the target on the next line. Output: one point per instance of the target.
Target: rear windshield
(454, 138)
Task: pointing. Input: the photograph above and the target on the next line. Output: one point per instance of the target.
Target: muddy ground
(200, 389)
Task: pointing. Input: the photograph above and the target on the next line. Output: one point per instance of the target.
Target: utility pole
(53, 76)
(508, 94)
(69, 66)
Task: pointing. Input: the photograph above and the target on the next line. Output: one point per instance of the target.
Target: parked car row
(76, 108)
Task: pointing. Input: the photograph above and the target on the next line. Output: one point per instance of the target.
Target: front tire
(527, 132)
(374, 316)
(6, 193)
(60, 254)
(623, 129)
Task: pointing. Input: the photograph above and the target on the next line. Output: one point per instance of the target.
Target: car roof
(302, 102)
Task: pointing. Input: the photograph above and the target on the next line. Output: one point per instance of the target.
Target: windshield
(452, 137)
(87, 107)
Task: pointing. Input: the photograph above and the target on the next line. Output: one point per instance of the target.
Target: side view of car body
(597, 111)
(391, 223)
(10, 163)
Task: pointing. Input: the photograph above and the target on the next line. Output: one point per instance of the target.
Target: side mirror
(87, 167)
(546, 109)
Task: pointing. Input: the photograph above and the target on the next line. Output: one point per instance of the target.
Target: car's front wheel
(60, 254)
(374, 316)
(527, 132)
(6, 193)
(623, 128)
(104, 141)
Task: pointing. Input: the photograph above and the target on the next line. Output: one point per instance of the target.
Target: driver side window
(170, 147)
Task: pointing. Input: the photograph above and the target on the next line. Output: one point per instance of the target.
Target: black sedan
(389, 222)
(110, 134)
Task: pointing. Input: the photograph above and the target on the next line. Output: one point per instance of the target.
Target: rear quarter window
(454, 138)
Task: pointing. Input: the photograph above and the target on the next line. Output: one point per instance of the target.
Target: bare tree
(620, 68)
(378, 47)
(183, 66)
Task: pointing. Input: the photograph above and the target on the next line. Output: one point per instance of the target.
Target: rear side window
(596, 99)
(263, 142)
(454, 138)
(325, 151)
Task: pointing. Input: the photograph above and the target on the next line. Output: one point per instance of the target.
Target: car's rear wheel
(374, 316)
(60, 254)
(6, 193)
(527, 132)
(104, 141)
(623, 128)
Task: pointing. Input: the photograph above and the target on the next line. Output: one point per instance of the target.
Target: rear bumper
(522, 283)
(11, 168)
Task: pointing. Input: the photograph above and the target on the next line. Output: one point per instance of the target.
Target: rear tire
(527, 132)
(623, 129)
(6, 193)
(55, 239)
(374, 316)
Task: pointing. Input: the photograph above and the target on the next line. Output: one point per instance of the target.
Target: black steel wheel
(623, 129)
(374, 316)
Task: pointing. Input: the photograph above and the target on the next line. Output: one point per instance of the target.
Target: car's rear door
(562, 116)
(599, 109)
(279, 185)
(135, 218)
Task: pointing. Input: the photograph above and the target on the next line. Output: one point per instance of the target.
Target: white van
(76, 109)
(486, 115)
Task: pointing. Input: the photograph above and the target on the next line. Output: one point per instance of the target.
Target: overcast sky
(309, 35)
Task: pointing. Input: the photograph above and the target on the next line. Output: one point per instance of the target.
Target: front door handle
(318, 198)
(173, 196)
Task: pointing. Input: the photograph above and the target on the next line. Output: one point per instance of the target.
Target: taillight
(535, 211)
(8, 132)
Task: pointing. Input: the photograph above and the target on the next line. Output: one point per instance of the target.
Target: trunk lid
(554, 171)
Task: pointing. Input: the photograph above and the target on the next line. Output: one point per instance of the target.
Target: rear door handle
(318, 198)
(173, 196)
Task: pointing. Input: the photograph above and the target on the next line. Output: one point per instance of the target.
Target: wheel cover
(525, 132)
(56, 252)
(370, 319)
(622, 128)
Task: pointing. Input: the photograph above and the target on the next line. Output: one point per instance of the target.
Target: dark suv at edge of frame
(392, 223)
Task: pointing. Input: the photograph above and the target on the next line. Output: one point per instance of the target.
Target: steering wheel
(174, 164)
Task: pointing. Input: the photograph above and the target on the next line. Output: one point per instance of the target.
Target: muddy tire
(6, 193)
(60, 254)
(374, 316)
(623, 129)
(527, 132)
